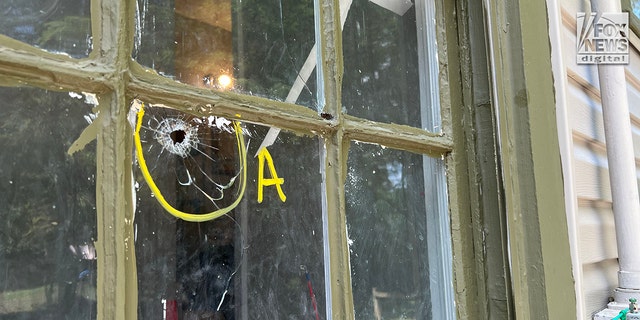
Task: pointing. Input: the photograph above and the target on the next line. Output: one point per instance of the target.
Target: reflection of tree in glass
(275, 239)
(48, 199)
(155, 38)
(67, 34)
(387, 224)
(54, 25)
(284, 238)
(381, 64)
(272, 40)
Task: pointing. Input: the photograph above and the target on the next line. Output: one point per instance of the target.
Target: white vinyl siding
(589, 208)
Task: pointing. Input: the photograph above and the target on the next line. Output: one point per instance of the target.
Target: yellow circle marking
(158, 195)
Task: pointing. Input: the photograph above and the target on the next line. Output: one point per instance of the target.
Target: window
(57, 26)
(48, 226)
(633, 7)
(240, 171)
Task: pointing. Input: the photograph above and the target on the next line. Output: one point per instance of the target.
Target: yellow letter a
(262, 181)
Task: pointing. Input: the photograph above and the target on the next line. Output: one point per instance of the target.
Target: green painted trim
(117, 275)
(123, 32)
(117, 284)
(397, 136)
(22, 63)
(483, 176)
(335, 161)
(454, 117)
(532, 176)
(335, 169)
(545, 149)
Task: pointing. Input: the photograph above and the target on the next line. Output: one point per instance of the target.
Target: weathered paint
(336, 148)
(117, 275)
(485, 194)
(539, 245)
(546, 157)
(19, 62)
(453, 123)
(117, 284)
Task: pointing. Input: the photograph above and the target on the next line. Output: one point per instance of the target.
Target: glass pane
(395, 254)
(48, 214)
(390, 68)
(53, 25)
(635, 7)
(257, 47)
(258, 261)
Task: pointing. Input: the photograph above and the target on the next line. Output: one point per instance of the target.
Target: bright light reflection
(224, 81)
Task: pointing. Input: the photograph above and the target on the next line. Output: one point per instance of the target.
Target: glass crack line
(177, 136)
(180, 138)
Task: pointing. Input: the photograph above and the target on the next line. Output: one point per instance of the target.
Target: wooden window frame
(110, 73)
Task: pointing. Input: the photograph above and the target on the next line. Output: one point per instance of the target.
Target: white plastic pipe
(622, 168)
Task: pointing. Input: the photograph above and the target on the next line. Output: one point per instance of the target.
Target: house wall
(583, 150)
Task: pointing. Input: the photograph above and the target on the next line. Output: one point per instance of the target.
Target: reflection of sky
(636, 7)
(25, 29)
(394, 172)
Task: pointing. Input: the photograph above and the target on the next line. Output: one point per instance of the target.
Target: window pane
(395, 254)
(251, 46)
(635, 7)
(250, 264)
(48, 214)
(390, 68)
(53, 25)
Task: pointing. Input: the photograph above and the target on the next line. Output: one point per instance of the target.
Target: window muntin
(53, 25)
(253, 47)
(48, 216)
(253, 261)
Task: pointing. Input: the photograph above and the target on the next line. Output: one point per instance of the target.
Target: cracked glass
(48, 213)
(264, 258)
(196, 163)
(53, 25)
(256, 47)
